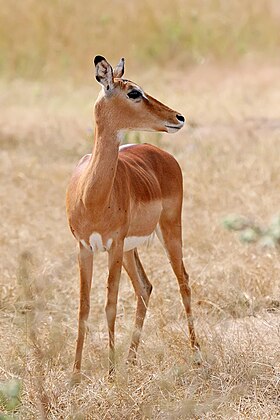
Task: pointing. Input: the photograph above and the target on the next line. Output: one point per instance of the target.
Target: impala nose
(180, 118)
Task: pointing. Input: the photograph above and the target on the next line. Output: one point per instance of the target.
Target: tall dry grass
(229, 156)
(58, 38)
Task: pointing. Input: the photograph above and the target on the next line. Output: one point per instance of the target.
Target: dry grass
(49, 38)
(229, 155)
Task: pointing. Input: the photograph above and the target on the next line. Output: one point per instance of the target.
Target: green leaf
(248, 235)
(267, 241)
(236, 222)
(10, 394)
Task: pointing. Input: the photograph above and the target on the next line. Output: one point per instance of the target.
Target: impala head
(125, 105)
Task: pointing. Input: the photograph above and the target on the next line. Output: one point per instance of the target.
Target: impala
(119, 196)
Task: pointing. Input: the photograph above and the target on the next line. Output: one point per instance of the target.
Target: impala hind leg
(85, 266)
(143, 290)
(171, 233)
(115, 266)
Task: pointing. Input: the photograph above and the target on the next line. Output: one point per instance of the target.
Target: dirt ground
(229, 153)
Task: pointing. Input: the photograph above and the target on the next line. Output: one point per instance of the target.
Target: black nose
(180, 118)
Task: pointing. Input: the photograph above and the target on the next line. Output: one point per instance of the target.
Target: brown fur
(123, 194)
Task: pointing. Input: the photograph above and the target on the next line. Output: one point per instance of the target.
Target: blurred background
(217, 63)
(57, 39)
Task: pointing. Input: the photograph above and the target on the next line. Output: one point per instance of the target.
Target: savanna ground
(229, 153)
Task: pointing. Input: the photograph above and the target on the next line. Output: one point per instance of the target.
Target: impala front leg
(115, 265)
(85, 266)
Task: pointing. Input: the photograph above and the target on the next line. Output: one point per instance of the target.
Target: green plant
(10, 392)
(250, 231)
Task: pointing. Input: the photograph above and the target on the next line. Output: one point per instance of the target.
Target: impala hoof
(131, 358)
(111, 374)
(197, 357)
(75, 379)
(131, 362)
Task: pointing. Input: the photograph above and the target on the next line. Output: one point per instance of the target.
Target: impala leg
(172, 238)
(115, 265)
(143, 289)
(85, 267)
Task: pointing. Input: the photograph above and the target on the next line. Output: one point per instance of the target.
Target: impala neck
(102, 167)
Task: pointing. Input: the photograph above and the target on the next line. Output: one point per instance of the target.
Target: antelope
(119, 196)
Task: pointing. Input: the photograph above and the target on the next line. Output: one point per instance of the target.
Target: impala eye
(134, 94)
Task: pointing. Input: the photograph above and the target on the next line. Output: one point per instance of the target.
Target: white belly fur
(132, 242)
(96, 243)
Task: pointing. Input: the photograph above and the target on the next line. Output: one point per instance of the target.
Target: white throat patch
(125, 146)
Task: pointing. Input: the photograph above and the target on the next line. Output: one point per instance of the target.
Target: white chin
(172, 129)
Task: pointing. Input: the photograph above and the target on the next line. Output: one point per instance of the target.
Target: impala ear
(119, 69)
(103, 72)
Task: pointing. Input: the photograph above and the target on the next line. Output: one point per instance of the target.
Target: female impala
(119, 196)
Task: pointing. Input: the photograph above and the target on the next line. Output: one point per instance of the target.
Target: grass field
(57, 38)
(229, 155)
(217, 63)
